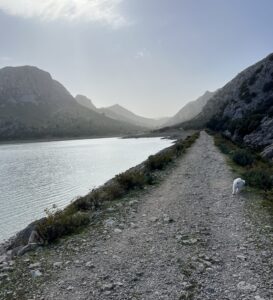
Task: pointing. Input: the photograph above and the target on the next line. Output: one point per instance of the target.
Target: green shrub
(243, 157)
(259, 178)
(224, 148)
(131, 180)
(61, 223)
(159, 161)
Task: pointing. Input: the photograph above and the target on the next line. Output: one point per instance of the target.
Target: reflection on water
(33, 176)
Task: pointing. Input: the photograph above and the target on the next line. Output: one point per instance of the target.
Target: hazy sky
(151, 56)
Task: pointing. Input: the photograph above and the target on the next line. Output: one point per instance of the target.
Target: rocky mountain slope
(190, 110)
(33, 105)
(119, 113)
(243, 108)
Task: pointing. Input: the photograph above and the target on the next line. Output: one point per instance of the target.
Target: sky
(150, 56)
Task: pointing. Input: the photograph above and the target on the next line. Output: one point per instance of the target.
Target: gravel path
(187, 238)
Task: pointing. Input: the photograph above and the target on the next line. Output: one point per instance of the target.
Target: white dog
(237, 186)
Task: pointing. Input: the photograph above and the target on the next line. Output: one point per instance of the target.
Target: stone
(57, 264)
(190, 241)
(90, 265)
(117, 230)
(36, 273)
(244, 286)
(34, 265)
(109, 222)
(107, 287)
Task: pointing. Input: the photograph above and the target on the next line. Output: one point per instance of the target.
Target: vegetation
(257, 171)
(242, 157)
(78, 214)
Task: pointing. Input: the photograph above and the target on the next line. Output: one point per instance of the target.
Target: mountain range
(33, 105)
(117, 112)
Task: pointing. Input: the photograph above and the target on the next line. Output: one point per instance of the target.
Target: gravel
(187, 238)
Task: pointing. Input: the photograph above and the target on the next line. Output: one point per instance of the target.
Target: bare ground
(187, 238)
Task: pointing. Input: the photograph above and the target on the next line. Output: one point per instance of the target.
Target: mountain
(119, 113)
(190, 110)
(243, 108)
(84, 101)
(33, 105)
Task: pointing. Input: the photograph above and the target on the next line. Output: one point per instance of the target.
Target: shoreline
(5, 244)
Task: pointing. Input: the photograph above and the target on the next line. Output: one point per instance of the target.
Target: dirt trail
(187, 238)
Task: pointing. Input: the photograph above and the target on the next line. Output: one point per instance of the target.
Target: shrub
(159, 162)
(243, 158)
(131, 180)
(259, 178)
(61, 223)
(223, 148)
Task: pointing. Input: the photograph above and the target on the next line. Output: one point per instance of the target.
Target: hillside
(119, 113)
(190, 110)
(243, 108)
(33, 105)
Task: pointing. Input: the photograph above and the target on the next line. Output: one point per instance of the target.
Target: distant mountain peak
(190, 109)
(85, 101)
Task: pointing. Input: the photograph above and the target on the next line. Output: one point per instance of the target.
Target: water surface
(34, 176)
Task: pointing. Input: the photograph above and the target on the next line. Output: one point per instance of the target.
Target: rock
(108, 287)
(132, 202)
(70, 288)
(244, 286)
(89, 265)
(241, 257)
(154, 219)
(190, 241)
(57, 264)
(133, 225)
(36, 273)
(109, 222)
(117, 230)
(258, 298)
(34, 265)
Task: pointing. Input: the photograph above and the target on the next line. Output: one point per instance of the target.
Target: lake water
(34, 176)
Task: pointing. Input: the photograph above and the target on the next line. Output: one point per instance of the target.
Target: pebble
(57, 264)
(34, 266)
(117, 230)
(36, 273)
(90, 265)
(244, 286)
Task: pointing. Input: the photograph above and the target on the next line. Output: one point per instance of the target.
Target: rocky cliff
(243, 108)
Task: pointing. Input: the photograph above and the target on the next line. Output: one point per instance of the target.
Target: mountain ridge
(34, 105)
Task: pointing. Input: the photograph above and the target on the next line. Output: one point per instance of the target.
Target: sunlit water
(34, 176)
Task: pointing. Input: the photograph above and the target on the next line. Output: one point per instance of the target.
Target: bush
(131, 180)
(223, 148)
(259, 178)
(159, 161)
(243, 158)
(61, 223)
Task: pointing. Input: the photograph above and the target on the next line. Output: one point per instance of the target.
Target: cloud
(105, 11)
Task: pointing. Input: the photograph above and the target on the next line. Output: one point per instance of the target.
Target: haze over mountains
(120, 113)
(33, 105)
(190, 110)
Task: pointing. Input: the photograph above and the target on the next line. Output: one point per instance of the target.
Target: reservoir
(34, 176)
